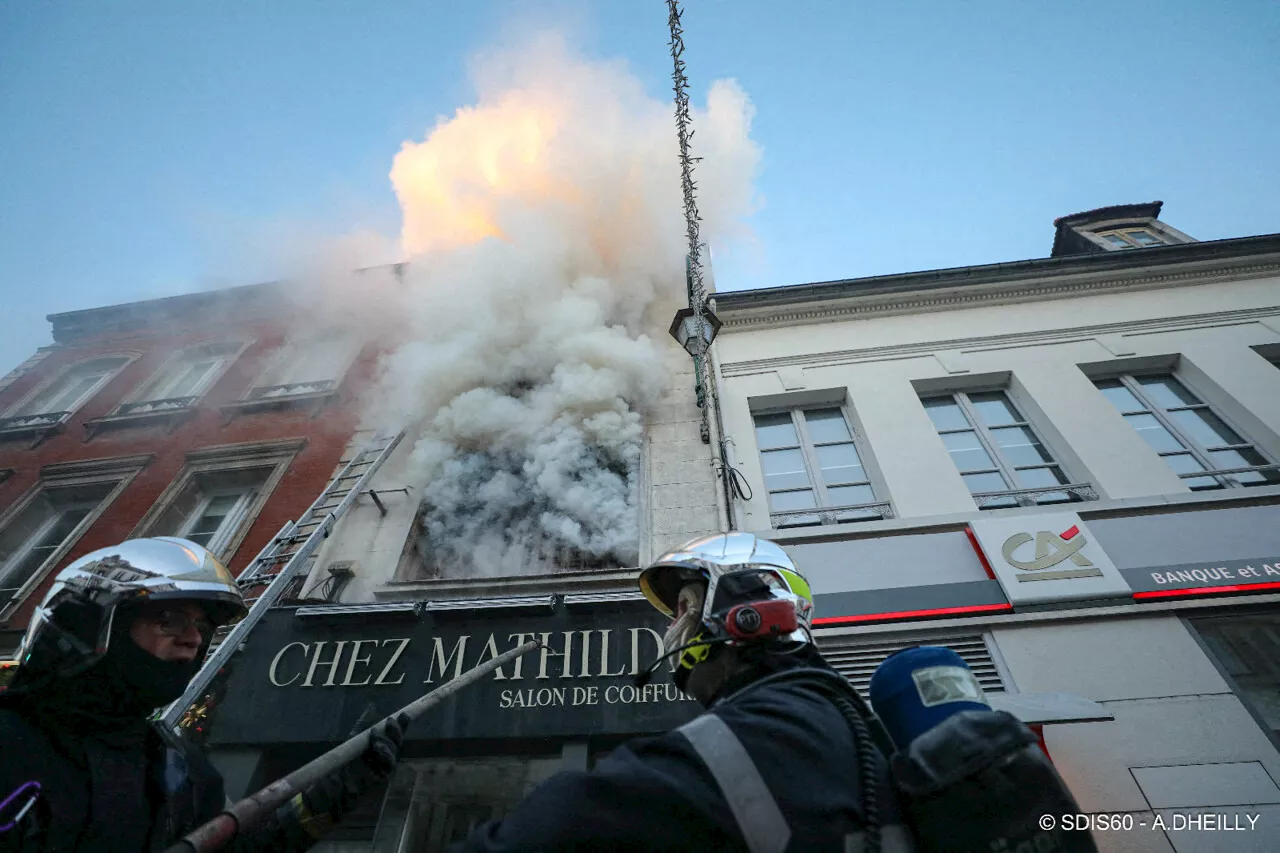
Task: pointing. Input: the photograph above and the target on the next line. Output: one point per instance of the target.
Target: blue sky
(146, 145)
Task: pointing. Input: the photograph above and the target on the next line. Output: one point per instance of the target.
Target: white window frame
(147, 398)
(116, 473)
(1013, 495)
(18, 415)
(1191, 447)
(245, 498)
(1098, 232)
(274, 382)
(1126, 239)
(277, 455)
(824, 513)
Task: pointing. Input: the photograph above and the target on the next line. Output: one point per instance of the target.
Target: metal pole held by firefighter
(248, 812)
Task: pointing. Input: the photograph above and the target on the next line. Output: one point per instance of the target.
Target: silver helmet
(71, 629)
(736, 568)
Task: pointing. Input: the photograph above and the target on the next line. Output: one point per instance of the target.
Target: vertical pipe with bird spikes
(697, 291)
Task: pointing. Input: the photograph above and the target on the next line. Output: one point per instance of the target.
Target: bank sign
(1040, 559)
(1224, 576)
(309, 681)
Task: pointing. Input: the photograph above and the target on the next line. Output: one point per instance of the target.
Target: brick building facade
(195, 415)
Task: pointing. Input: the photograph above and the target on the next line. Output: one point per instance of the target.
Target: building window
(216, 499)
(1200, 447)
(182, 380)
(1247, 649)
(811, 460)
(997, 452)
(313, 365)
(67, 393)
(48, 525)
(1131, 238)
(212, 506)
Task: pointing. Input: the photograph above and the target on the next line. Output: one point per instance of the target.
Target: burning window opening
(538, 555)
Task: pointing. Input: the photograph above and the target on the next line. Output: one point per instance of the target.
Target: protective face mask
(686, 625)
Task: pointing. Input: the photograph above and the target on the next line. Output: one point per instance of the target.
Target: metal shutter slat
(858, 661)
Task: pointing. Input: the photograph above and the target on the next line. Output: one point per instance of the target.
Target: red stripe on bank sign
(982, 557)
(913, 614)
(1070, 531)
(1205, 590)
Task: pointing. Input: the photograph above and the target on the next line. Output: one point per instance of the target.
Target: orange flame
(453, 185)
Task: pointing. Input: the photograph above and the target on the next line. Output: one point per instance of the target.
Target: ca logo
(1052, 549)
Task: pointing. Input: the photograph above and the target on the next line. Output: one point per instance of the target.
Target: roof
(1116, 211)
(795, 295)
(245, 303)
(211, 306)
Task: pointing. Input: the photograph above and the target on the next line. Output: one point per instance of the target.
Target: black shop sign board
(309, 680)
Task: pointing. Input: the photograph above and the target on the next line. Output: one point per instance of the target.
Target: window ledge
(829, 515)
(1076, 492)
(38, 427)
(443, 589)
(1102, 508)
(170, 411)
(264, 402)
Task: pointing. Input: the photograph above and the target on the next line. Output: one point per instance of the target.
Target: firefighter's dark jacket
(658, 793)
(83, 777)
(109, 779)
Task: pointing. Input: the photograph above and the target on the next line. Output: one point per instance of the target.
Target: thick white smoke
(546, 241)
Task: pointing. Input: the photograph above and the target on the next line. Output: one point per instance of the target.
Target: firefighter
(119, 635)
(783, 758)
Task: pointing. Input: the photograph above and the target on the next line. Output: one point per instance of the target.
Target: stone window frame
(136, 402)
(14, 421)
(299, 344)
(1128, 375)
(796, 404)
(138, 407)
(277, 455)
(118, 470)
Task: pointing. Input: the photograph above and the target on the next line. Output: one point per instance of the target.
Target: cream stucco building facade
(1120, 398)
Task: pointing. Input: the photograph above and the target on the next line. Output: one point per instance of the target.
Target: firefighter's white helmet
(737, 568)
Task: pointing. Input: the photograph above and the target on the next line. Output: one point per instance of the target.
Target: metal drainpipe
(724, 495)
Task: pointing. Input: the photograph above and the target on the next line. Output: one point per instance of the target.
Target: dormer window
(1131, 238)
(1113, 229)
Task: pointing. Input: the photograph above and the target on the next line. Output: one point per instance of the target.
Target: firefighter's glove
(329, 800)
(384, 745)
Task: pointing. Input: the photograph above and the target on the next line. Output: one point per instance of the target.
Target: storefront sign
(1040, 559)
(1205, 578)
(307, 681)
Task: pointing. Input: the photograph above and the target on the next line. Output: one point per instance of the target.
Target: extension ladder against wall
(276, 566)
